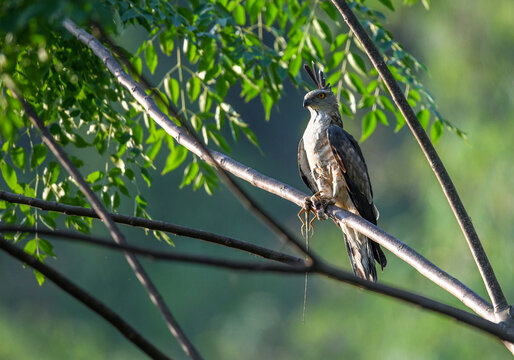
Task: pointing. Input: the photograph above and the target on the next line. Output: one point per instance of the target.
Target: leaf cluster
(205, 50)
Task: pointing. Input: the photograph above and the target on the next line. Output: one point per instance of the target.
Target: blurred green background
(469, 49)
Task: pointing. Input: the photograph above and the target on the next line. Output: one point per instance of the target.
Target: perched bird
(333, 168)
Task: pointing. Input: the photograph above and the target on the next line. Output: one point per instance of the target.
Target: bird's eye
(321, 95)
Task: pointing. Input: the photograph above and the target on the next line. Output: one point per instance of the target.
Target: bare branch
(425, 267)
(118, 237)
(84, 297)
(155, 225)
(317, 268)
(491, 283)
(161, 255)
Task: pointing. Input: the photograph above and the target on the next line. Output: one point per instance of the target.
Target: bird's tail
(362, 253)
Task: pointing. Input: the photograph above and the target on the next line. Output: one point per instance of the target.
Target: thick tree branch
(491, 283)
(237, 190)
(118, 237)
(317, 268)
(155, 225)
(425, 267)
(84, 297)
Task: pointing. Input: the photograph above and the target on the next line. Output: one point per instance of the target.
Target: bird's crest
(318, 80)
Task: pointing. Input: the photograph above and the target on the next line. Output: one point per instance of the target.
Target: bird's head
(321, 99)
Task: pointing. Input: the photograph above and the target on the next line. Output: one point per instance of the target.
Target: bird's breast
(317, 147)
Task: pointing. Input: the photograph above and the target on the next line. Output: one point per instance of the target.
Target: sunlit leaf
(369, 123)
(423, 117)
(436, 131)
(175, 158)
(151, 57)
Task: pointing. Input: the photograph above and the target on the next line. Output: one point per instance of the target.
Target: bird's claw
(320, 204)
(307, 209)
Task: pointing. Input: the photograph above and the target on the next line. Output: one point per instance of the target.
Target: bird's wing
(305, 169)
(348, 154)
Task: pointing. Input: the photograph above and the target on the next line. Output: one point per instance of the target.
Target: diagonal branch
(84, 297)
(425, 267)
(237, 190)
(155, 225)
(486, 271)
(118, 237)
(316, 268)
(161, 255)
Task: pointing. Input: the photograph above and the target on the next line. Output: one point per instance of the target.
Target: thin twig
(494, 290)
(84, 297)
(438, 276)
(155, 225)
(118, 237)
(158, 255)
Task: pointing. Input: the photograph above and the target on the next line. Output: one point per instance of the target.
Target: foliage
(215, 46)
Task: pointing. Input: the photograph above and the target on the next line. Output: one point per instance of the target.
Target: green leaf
(175, 158)
(381, 117)
(30, 247)
(357, 63)
(95, 176)
(318, 48)
(239, 14)
(172, 89)
(154, 149)
(48, 221)
(387, 3)
(400, 121)
(166, 41)
(386, 104)
(295, 65)
(19, 157)
(137, 134)
(137, 63)
(423, 118)
(190, 173)
(46, 247)
(151, 57)
(369, 123)
(355, 82)
(39, 277)
(194, 86)
(10, 177)
(436, 131)
(38, 155)
(267, 102)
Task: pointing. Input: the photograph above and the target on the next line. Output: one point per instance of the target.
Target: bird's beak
(307, 102)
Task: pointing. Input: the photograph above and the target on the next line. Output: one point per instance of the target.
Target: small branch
(85, 298)
(450, 284)
(160, 255)
(491, 283)
(317, 268)
(118, 237)
(155, 225)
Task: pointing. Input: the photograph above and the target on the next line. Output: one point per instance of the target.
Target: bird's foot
(307, 226)
(320, 203)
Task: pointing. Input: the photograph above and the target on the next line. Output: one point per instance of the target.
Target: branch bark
(425, 267)
(155, 225)
(118, 237)
(84, 297)
(161, 255)
(501, 307)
